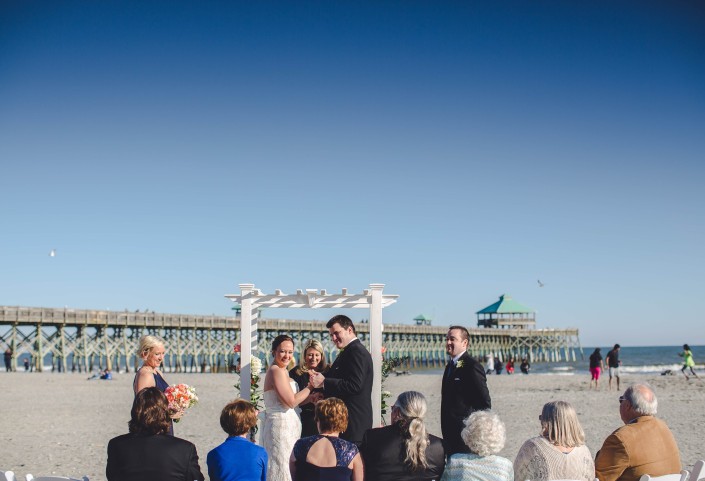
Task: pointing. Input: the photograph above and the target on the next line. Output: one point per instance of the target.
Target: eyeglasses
(622, 399)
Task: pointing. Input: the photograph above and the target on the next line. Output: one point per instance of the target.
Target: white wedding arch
(252, 299)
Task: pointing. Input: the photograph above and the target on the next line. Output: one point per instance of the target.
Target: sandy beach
(60, 424)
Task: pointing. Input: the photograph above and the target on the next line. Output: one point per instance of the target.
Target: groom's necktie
(451, 369)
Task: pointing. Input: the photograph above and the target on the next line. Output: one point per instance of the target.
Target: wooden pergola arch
(252, 300)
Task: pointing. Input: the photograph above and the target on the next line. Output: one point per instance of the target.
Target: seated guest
(325, 456)
(644, 445)
(237, 459)
(559, 452)
(403, 451)
(484, 435)
(148, 453)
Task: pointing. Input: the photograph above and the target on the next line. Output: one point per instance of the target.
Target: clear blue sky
(454, 151)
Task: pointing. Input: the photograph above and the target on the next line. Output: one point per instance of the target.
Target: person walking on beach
(349, 377)
(688, 362)
(596, 367)
(613, 364)
(463, 391)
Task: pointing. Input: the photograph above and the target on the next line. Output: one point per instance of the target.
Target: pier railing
(78, 339)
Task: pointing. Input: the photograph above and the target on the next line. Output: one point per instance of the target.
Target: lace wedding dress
(281, 430)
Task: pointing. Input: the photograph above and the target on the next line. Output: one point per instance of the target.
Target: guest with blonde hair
(559, 452)
(404, 439)
(312, 360)
(151, 351)
(484, 434)
(326, 456)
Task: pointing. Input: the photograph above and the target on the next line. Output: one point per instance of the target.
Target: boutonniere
(459, 364)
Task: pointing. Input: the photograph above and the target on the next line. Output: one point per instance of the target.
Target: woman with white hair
(559, 452)
(403, 451)
(484, 435)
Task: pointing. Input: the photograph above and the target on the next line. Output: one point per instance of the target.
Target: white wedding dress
(282, 428)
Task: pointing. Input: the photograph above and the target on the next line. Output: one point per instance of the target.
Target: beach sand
(60, 424)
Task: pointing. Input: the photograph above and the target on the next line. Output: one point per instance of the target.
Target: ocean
(644, 360)
(636, 359)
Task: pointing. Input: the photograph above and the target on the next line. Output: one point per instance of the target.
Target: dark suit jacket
(350, 379)
(383, 453)
(135, 457)
(464, 391)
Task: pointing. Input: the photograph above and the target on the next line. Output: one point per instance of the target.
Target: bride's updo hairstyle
(278, 340)
(411, 408)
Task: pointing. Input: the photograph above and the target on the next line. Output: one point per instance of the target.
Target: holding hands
(316, 380)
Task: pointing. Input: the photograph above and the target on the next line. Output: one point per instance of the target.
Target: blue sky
(454, 151)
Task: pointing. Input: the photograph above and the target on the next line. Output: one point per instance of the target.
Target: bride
(282, 426)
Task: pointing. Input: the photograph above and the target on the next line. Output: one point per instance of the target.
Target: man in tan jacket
(644, 445)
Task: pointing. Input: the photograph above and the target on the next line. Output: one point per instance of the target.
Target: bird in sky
(540, 283)
(52, 253)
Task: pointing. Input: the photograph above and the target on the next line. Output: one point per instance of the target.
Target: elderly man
(644, 445)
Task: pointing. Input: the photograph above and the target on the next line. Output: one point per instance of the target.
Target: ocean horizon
(635, 360)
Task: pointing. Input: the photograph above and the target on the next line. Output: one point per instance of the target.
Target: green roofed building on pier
(508, 314)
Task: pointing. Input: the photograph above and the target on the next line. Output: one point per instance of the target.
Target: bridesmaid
(151, 350)
(311, 360)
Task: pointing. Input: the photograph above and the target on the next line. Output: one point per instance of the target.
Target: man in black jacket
(464, 389)
(349, 378)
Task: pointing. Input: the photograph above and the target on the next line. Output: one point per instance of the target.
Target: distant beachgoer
(489, 364)
(107, 375)
(510, 366)
(8, 360)
(26, 364)
(688, 361)
(613, 364)
(596, 367)
(525, 366)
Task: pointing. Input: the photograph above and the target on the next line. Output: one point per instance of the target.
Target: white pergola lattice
(251, 300)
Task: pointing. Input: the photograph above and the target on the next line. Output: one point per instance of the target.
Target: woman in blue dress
(325, 456)
(151, 350)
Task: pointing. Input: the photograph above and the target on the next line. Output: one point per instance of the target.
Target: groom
(349, 378)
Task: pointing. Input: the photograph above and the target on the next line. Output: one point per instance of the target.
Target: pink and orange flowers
(180, 397)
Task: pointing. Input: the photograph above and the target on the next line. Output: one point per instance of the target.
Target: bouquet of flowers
(180, 397)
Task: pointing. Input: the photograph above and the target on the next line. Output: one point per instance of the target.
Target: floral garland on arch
(389, 365)
(256, 396)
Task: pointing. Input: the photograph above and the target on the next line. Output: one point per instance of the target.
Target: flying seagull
(52, 253)
(540, 283)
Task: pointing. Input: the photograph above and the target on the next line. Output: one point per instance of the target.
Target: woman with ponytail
(403, 451)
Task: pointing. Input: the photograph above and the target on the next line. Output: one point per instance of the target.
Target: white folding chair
(7, 476)
(682, 476)
(698, 471)
(55, 478)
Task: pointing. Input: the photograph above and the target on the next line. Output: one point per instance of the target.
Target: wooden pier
(73, 339)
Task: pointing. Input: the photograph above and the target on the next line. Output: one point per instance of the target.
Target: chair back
(698, 471)
(55, 478)
(682, 476)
